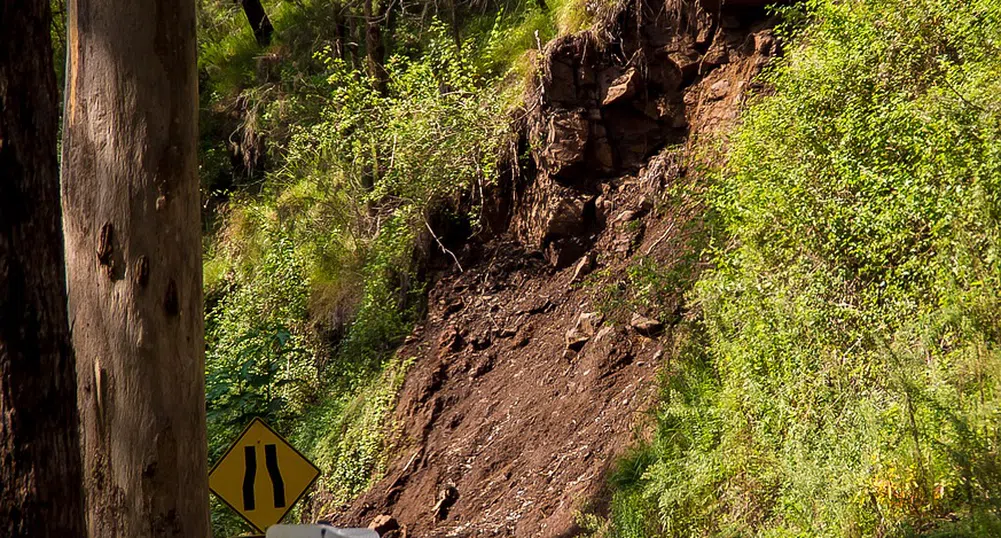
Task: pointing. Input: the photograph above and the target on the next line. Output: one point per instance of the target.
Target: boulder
(622, 88)
(764, 43)
(565, 218)
(686, 60)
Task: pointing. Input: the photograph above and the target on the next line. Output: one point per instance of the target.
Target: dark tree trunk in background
(340, 32)
(391, 14)
(259, 21)
(453, 17)
(133, 249)
(375, 50)
(356, 35)
(40, 489)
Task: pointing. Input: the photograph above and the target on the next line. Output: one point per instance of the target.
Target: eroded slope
(525, 387)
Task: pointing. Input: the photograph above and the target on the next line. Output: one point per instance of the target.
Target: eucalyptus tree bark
(259, 21)
(133, 247)
(40, 490)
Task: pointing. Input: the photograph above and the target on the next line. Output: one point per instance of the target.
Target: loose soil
(501, 429)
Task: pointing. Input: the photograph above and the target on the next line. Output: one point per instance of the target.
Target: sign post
(261, 476)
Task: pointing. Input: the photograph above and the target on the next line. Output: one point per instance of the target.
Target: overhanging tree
(133, 245)
(40, 490)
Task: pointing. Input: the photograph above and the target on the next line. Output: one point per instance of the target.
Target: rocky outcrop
(607, 99)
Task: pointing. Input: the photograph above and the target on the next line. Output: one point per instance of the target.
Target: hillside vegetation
(838, 366)
(840, 375)
(323, 197)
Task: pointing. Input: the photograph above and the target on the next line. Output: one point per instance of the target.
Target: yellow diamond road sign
(261, 476)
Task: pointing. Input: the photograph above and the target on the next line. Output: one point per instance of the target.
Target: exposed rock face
(607, 99)
(567, 134)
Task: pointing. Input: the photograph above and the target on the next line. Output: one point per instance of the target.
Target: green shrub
(347, 436)
(844, 377)
(311, 269)
(311, 279)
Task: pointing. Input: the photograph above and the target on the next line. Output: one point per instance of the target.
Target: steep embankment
(535, 368)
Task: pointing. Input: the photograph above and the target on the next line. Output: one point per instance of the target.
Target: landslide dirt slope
(507, 425)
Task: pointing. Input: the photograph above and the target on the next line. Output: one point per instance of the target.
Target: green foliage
(844, 378)
(649, 285)
(58, 35)
(311, 267)
(311, 278)
(258, 347)
(432, 137)
(347, 435)
(261, 356)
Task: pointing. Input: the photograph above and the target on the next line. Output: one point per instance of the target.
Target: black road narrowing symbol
(271, 461)
(250, 476)
(250, 457)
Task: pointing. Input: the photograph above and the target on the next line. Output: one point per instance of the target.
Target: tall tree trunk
(356, 31)
(453, 13)
(133, 246)
(341, 36)
(40, 489)
(259, 21)
(375, 50)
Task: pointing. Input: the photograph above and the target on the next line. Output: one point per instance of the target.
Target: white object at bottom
(318, 531)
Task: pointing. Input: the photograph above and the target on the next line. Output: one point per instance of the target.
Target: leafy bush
(844, 377)
(311, 279)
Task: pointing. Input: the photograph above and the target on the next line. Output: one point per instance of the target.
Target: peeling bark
(133, 245)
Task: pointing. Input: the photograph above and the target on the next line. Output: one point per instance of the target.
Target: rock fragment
(644, 325)
(384, 524)
(450, 340)
(622, 88)
(719, 90)
(582, 331)
(446, 498)
(583, 267)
